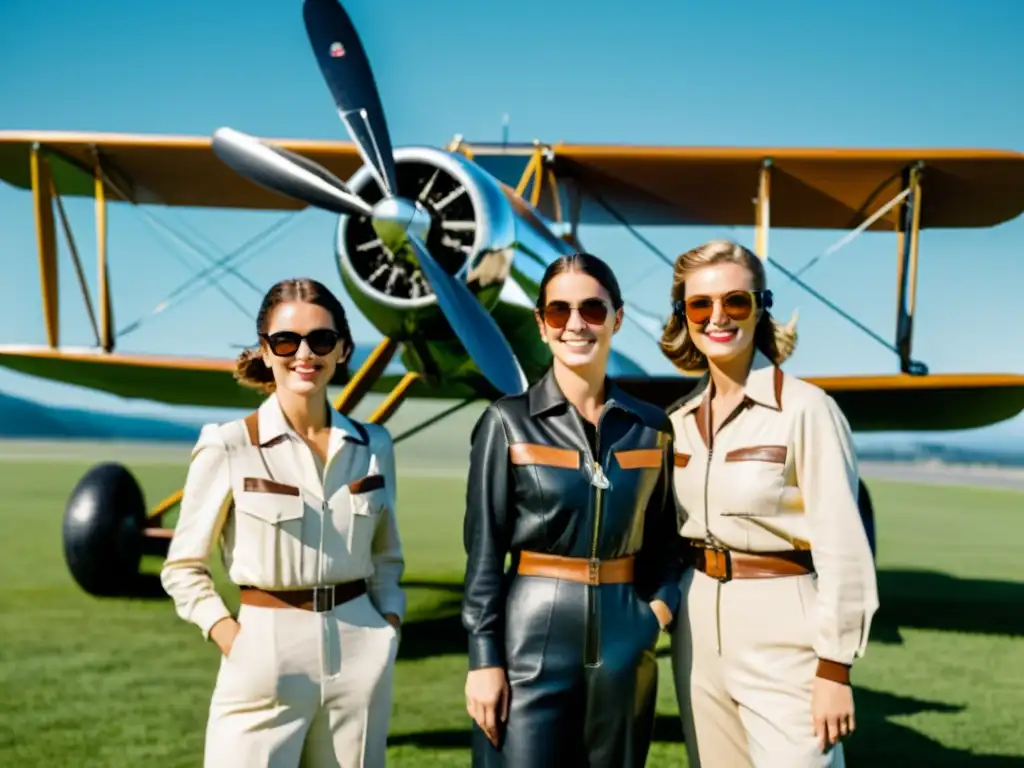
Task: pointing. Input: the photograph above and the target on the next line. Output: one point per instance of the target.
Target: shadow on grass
(934, 600)
(880, 741)
(437, 631)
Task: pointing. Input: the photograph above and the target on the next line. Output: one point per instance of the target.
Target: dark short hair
(587, 264)
(250, 370)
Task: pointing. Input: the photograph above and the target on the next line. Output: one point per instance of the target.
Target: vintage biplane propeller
(401, 224)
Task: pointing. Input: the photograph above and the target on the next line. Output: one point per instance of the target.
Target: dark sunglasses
(286, 343)
(593, 311)
(737, 305)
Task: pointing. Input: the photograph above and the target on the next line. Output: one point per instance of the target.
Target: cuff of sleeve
(208, 613)
(834, 671)
(484, 651)
(391, 602)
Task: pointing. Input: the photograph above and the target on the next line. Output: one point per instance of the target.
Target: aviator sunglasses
(737, 305)
(593, 311)
(286, 343)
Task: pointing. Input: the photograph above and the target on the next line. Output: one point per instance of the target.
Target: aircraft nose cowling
(395, 217)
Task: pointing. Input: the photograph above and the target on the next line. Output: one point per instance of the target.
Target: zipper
(599, 481)
(711, 538)
(327, 660)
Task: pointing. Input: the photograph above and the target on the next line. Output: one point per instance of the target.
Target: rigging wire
(793, 278)
(178, 296)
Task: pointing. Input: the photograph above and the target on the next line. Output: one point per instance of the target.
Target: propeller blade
(280, 170)
(346, 69)
(473, 325)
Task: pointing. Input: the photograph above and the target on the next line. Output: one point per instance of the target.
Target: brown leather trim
(639, 458)
(771, 453)
(298, 598)
(681, 459)
(544, 455)
(729, 565)
(777, 381)
(365, 484)
(579, 569)
(262, 485)
(252, 426)
(834, 671)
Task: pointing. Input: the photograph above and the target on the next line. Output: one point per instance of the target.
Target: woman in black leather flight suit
(572, 479)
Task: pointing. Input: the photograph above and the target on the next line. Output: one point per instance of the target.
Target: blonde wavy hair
(775, 340)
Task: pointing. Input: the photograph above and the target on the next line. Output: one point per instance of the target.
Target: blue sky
(747, 73)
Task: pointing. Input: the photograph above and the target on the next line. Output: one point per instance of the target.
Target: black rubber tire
(867, 516)
(102, 530)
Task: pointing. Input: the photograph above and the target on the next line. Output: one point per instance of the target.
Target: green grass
(89, 682)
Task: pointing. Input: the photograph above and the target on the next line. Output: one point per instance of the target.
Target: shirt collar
(273, 425)
(546, 395)
(764, 386)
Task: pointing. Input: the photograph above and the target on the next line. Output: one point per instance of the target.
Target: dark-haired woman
(301, 501)
(571, 481)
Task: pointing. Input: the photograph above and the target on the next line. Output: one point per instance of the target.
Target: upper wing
(896, 403)
(168, 170)
(810, 188)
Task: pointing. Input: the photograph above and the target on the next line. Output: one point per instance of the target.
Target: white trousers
(304, 687)
(744, 665)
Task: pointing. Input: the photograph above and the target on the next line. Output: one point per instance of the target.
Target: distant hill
(1003, 456)
(20, 418)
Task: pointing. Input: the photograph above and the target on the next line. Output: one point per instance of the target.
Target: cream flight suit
(781, 474)
(297, 684)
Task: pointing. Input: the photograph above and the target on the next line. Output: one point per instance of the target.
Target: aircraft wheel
(102, 531)
(867, 515)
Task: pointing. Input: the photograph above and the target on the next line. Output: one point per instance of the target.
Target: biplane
(442, 249)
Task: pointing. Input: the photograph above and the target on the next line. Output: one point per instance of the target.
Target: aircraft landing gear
(103, 530)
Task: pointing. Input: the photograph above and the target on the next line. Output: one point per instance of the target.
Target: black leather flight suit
(579, 657)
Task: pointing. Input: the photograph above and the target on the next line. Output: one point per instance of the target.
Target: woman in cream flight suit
(782, 590)
(301, 501)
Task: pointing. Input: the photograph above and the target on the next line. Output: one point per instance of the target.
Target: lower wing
(871, 403)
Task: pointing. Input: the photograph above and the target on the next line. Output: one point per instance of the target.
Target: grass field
(87, 682)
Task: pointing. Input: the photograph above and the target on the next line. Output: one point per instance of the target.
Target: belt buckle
(720, 562)
(323, 598)
(593, 571)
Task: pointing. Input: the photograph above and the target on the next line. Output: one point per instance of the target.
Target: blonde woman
(301, 500)
(782, 588)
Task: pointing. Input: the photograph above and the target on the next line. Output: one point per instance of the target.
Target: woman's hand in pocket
(224, 633)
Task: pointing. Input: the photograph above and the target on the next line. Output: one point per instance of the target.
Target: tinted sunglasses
(737, 305)
(593, 311)
(286, 343)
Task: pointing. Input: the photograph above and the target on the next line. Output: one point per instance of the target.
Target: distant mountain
(20, 418)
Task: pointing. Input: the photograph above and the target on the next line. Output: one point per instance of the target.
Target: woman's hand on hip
(487, 697)
(832, 710)
(224, 633)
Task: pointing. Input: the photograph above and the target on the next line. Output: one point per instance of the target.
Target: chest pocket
(755, 479)
(357, 511)
(268, 518)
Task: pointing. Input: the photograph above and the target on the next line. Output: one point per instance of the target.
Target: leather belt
(317, 599)
(726, 565)
(581, 569)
